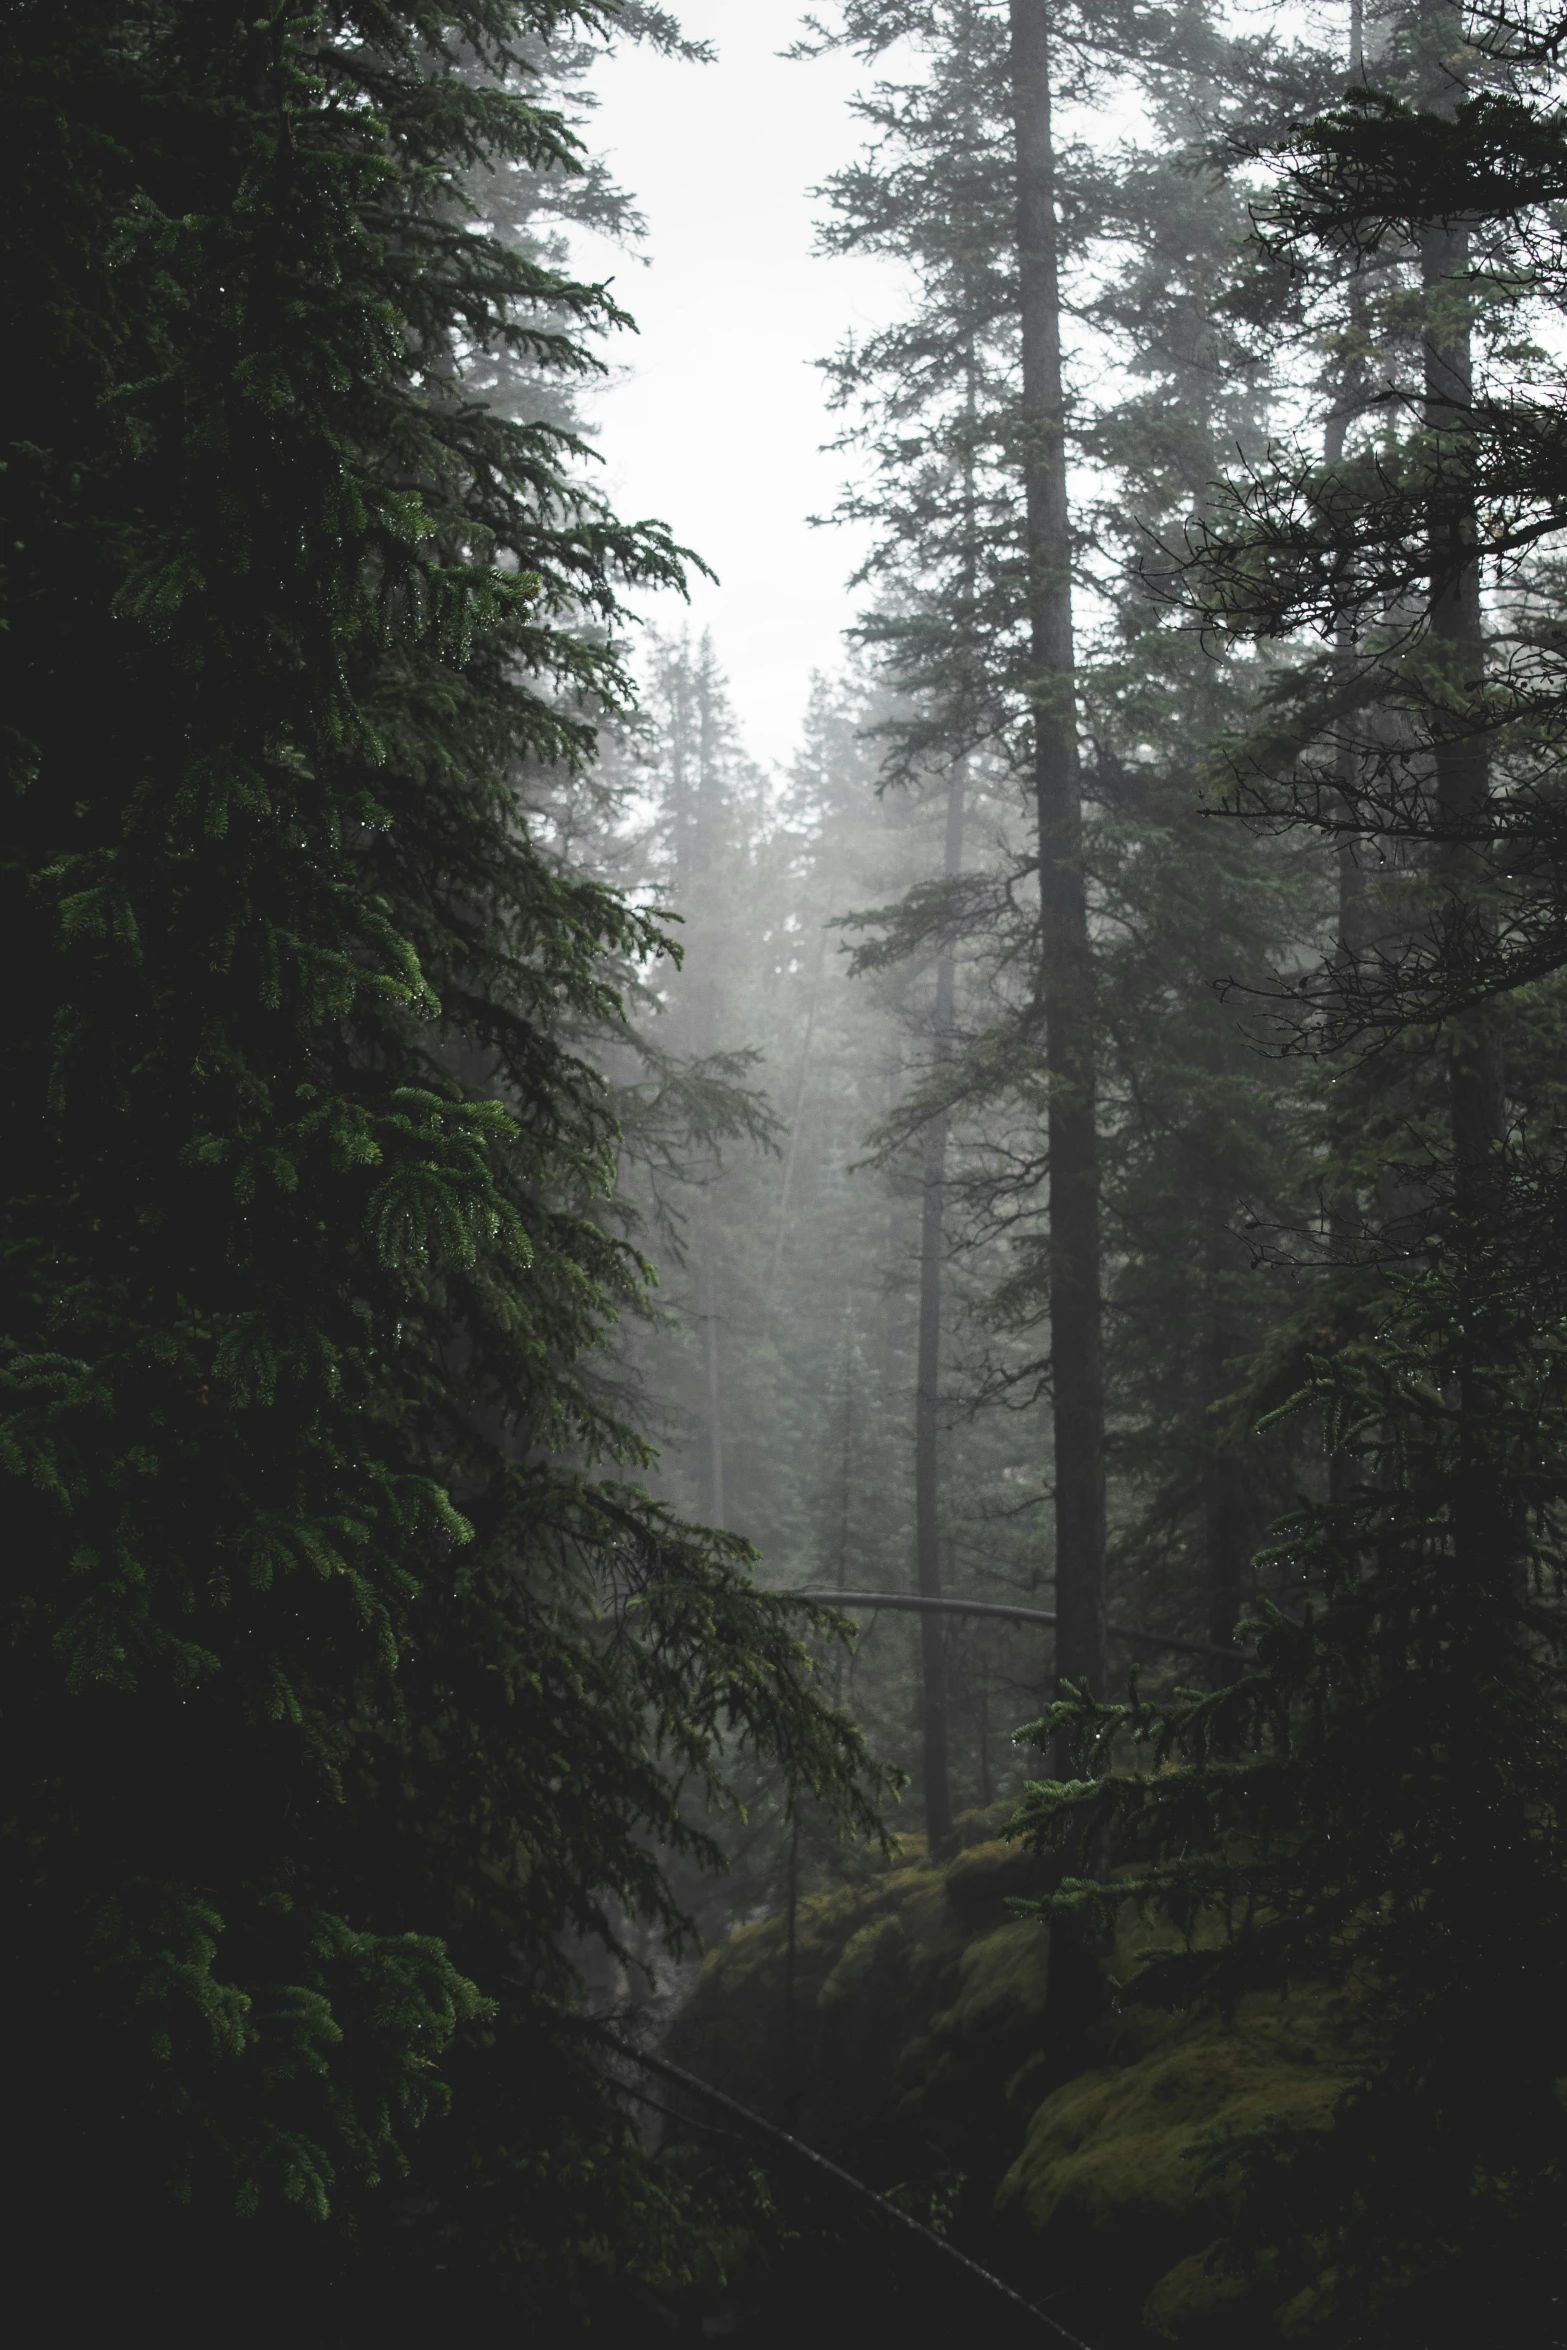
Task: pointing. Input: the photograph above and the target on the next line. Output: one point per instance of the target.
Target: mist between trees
(516, 1197)
(834, 1219)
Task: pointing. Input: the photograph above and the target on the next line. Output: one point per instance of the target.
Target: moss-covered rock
(916, 1996)
(909, 2036)
(1115, 2156)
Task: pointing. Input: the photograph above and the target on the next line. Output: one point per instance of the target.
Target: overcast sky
(717, 421)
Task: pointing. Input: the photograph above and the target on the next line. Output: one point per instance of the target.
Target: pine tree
(343, 1691)
(1066, 976)
(1379, 1801)
(933, 400)
(972, 542)
(1203, 1135)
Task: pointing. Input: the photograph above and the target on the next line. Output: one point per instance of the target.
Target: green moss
(1115, 2155)
(981, 1880)
(993, 2020)
(917, 1996)
(1195, 2298)
(880, 1948)
(921, 2050)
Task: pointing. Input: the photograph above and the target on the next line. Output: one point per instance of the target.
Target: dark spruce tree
(921, 397)
(1164, 1138)
(963, 408)
(344, 1696)
(1379, 1801)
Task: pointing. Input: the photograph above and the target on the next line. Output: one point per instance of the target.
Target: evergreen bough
(343, 1696)
(1379, 1801)
(1378, 1804)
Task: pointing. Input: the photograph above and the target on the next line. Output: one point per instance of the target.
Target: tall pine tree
(342, 1696)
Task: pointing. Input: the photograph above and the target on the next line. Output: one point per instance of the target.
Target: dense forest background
(930, 1359)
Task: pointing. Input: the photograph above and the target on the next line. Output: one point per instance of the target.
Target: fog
(716, 420)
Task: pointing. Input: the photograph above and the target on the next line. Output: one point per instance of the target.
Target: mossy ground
(922, 2048)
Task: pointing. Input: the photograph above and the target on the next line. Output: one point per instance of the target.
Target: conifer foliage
(338, 1696)
(1378, 1800)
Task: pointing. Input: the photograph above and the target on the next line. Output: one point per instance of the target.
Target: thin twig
(808, 2154)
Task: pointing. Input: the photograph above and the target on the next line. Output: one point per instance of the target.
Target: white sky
(717, 421)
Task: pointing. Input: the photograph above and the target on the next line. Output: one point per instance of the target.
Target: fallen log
(916, 1603)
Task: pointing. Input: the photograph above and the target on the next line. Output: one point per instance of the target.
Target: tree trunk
(715, 1393)
(1351, 929)
(792, 1152)
(936, 1770)
(1474, 1056)
(1458, 637)
(1065, 969)
(849, 1355)
(1224, 1524)
(1462, 779)
(1349, 401)
(792, 1910)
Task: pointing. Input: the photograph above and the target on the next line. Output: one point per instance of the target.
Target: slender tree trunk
(1461, 762)
(715, 1392)
(1066, 971)
(790, 2063)
(1224, 1528)
(792, 1151)
(1474, 1059)
(1350, 939)
(1458, 636)
(846, 1457)
(681, 797)
(1348, 402)
(936, 1768)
